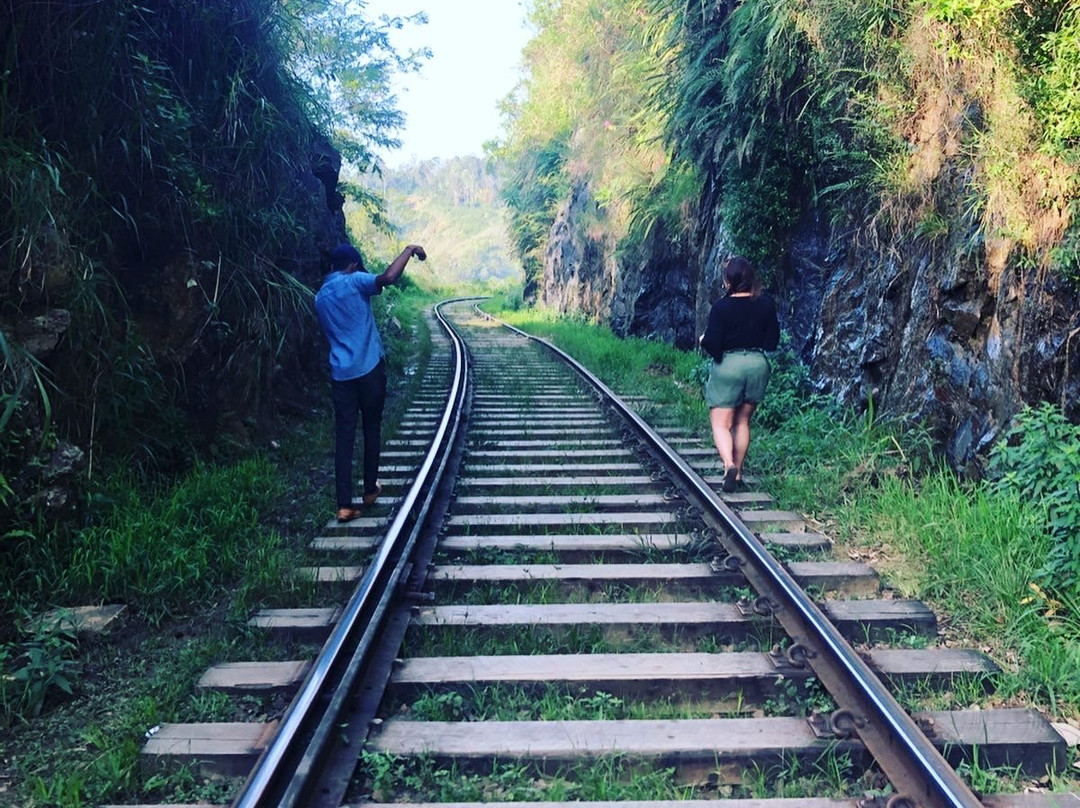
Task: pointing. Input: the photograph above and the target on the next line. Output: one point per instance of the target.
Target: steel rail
(306, 724)
(912, 763)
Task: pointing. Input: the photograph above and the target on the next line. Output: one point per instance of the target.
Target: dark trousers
(362, 397)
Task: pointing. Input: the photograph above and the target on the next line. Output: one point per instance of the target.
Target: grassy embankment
(992, 557)
(192, 558)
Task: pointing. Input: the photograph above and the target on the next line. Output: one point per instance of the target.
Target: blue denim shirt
(344, 308)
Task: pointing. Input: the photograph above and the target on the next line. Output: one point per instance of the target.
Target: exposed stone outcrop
(580, 270)
(662, 280)
(950, 335)
(40, 335)
(936, 337)
(650, 292)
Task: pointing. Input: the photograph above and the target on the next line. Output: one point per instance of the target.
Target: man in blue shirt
(357, 367)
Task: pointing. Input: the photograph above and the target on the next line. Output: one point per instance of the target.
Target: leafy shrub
(790, 391)
(1059, 102)
(31, 670)
(1039, 459)
(535, 184)
(980, 13)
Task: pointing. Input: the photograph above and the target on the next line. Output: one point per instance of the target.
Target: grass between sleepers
(388, 778)
(566, 702)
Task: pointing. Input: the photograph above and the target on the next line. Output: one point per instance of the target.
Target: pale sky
(451, 105)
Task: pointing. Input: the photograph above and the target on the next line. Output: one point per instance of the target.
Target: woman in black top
(742, 326)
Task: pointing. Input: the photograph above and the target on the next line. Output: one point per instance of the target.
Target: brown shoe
(348, 514)
(369, 499)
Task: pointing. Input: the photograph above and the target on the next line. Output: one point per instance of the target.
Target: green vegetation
(160, 550)
(550, 702)
(1039, 461)
(591, 639)
(163, 199)
(766, 111)
(388, 778)
(31, 669)
(585, 121)
(192, 558)
(558, 702)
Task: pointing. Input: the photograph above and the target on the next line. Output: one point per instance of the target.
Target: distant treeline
(454, 207)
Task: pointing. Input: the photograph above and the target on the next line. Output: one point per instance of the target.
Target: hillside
(906, 174)
(453, 207)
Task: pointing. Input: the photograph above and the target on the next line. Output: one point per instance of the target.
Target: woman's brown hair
(740, 277)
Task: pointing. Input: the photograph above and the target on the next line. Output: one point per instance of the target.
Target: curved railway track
(562, 598)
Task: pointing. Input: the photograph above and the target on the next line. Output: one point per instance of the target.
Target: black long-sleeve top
(741, 323)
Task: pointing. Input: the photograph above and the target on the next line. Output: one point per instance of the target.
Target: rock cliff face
(935, 335)
(579, 267)
(955, 336)
(650, 292)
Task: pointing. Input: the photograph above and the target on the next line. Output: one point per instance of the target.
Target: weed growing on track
(550, 702)
(492, 555)
(571, 702)
(384, 777)
(387, 778)
(462, 641)
(543, 591)
(830, 775)
(962, 691)
(798, 698)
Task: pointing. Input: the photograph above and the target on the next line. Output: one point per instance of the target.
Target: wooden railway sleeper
(854, 716)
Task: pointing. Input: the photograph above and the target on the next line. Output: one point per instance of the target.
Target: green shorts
(740, 377)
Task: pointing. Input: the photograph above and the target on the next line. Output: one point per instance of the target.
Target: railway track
(572, 613)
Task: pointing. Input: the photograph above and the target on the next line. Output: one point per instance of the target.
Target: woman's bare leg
(721, 419)
(740, 430)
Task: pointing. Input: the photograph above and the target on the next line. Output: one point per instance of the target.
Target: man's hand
(397, 266)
